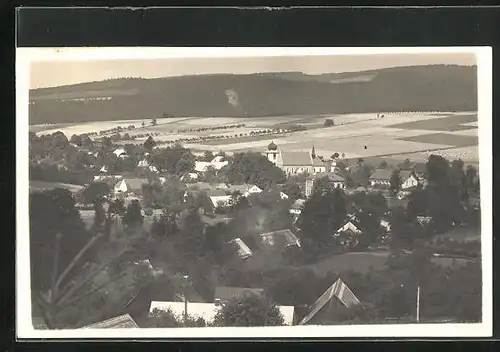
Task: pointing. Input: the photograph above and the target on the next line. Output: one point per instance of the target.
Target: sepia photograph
(254, 192)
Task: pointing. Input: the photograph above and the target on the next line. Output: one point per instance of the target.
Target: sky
(59, 73)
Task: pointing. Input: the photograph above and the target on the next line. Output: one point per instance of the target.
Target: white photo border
(24, 327)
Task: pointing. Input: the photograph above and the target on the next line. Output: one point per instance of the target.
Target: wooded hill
(414, 88)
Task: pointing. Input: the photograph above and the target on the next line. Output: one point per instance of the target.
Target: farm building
(381, 177)
(336, 181)
(121, 322)
(295, 162)
(336, 295)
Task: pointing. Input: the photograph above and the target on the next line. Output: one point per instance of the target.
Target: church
(296, 162)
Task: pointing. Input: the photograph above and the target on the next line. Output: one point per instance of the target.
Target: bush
(328, 123)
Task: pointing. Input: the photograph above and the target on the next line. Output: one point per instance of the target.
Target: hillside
(439, 87)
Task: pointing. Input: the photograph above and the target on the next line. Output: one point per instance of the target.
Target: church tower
(313, 152)
(272, 152)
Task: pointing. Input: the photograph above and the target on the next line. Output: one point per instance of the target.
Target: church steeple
(313, 152)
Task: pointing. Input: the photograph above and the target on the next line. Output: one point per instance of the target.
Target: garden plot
(452, 123)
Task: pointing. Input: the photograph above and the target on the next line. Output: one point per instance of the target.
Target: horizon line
(247, 74)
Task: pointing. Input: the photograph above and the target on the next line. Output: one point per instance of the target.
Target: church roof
(296, 159)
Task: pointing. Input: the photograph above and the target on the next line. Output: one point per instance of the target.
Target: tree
(95, 192)
(143, 124)
(153, 122)
(437, 170)
(335, 156)
(133, 217)
(75, 139)
(251, 310)
(149, 144)
(57, 234)
(99, 217)
(292, 190)
(395, 182)
(323, 214)
(383, 164)
(252, 168)
(470, 176)
(207, 156)
(175, 159)
(328, 123)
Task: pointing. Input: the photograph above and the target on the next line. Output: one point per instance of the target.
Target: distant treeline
(418, 88)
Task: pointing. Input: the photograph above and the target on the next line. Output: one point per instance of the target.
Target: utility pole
(418, 302)
(185, 300)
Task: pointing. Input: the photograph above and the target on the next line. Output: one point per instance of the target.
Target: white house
(411, 180)
(104, 169)
(217, 163)
(143, 163)
(244, 189)
(349, 227)
(120, 152)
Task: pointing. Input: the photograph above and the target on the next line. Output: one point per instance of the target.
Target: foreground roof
(338, 290)
(124, 321)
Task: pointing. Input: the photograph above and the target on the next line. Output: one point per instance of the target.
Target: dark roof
(381, 174)
(121, 322)
(272, 146)
(318, 162)
(296, 159)
(287, 236)
(331, 176)
(404, 174)
(226, 293)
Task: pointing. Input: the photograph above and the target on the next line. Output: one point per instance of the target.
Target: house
(410, 180)
(297, 206)
(283, 195)
(285, 237)
(342, 294)
(381, 177)
(244, 251)
(124, 321)
(218, 197)
(224, 293)
(107, 177)
(244, 189)
(103, 169)
(129, 185)
(295, 162)
(336, 181)
(217, 163)
(207, 311)
(192, 176)
(349, 227)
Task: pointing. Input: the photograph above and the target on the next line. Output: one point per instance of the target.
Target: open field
(443, 138)
(451, 123)
(396, 136)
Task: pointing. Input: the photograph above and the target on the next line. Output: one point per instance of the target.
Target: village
(173, 238)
